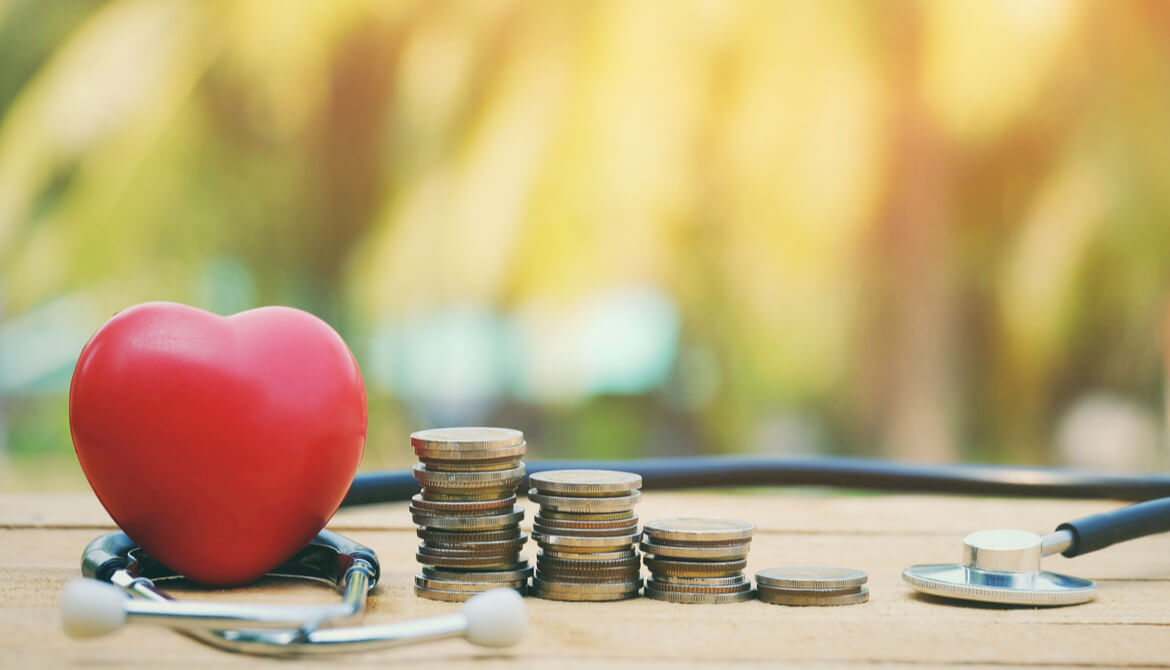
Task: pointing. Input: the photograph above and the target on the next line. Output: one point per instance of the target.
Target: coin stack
(466, 513)
(697, 560)
(586, 529)
(813, 585)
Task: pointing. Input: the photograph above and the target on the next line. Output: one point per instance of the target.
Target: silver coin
(625, 515)
(570, 542)
(476, 547)
(473, 437)
(471, 587)
(737, 587)
(690, 529)
(602, 505)
(699, 581)
(698, 598)
(585, 483)
(588, 555)
(780, 597)
(448, 538)
(471, 523)
(698, 552)
(495, 576)
(448, 596)
(666, 566)
(811, 577)
(469, 481)
(496, 548)
(470, 507)
(496, 563)
(573, 532)
(601, 590)
(466, 495)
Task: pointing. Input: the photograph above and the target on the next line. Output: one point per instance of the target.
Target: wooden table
(1128, 625)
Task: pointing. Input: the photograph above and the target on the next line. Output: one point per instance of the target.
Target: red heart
(221, 445)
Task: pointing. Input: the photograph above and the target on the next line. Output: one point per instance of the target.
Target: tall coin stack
(586, 529)
(697, 560)
(466, 513)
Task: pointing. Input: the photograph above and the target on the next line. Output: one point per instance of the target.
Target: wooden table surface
(1128, 625)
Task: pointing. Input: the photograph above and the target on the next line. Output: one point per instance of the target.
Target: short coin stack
(467, 514)
(697, 560)
(586, 529)
(820, 586)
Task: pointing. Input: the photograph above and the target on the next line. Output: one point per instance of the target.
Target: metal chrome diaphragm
(1000, 566)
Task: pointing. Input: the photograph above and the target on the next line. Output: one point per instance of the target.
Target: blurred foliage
(919, 229)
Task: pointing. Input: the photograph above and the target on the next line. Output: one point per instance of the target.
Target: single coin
(666, 566)
(743, 585)
(628, 529)
(698, 552)
(696, 529)
(588, 555)
(780, 597)
(443, 465)
(495, 563)
(589, 483)
(473, 587)
(811, 593)
(470, 523)
(581, 596)
(623, 503)
(468, 481)
(448, 596)
(576, 524)
(811, 577)
(547, 514)
(475, 507)
(496, 548)
(700, 581)
(586, 577)
(555, 562)
(474, 437)
(698, 598)
(569, 542)
(476, 546)
(439, 538)
(496, 576)
(614, 589)
(479, 495)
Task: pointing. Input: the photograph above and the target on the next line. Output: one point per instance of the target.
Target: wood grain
(41, 537)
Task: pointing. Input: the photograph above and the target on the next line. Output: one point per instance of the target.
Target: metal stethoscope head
(1003, 566)
(120, 588)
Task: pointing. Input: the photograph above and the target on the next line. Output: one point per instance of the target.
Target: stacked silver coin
(812, 585)
(466, 513)
(586, 529)
(697, 560)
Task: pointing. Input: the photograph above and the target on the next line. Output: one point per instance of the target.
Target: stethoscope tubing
(841, 473)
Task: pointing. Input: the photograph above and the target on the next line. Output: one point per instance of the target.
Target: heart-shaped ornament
(221, 445)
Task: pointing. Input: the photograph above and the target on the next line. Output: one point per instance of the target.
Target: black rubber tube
(1128, 523)
(843, 473)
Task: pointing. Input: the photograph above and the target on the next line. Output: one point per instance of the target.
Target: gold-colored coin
(472, 507)
(469, 481)
(781, 597)
(441, 465)
(572, 542)
(471, 587)
(520, 574)
(586, 525)
(558, 563)
(470, 523)
(666, 566)
(496, 563)
(698, 552)
(577, 516)
(628, 529)
(589, 555)
(737, 587)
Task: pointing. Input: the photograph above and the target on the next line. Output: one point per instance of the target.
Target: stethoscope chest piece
(1003, 566)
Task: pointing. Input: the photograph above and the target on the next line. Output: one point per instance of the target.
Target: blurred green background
(923, 230)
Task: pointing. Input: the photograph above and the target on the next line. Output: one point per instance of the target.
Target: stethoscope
(114, 568)
(998, 566)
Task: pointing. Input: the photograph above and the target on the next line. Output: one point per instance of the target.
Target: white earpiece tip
(90, 608)
(496, 618)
